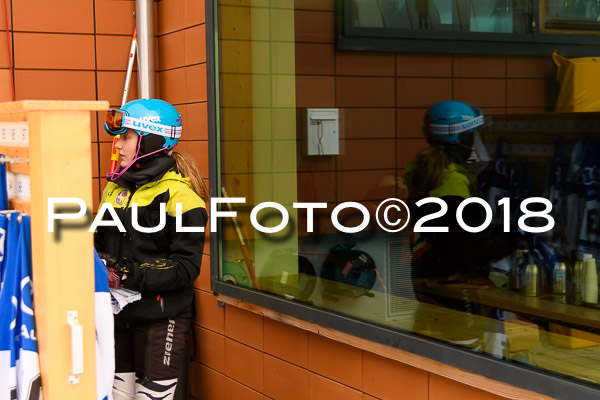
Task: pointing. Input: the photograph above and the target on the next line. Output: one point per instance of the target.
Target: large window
(298, 121)
(470, 26)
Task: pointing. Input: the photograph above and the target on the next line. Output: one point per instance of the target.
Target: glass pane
(302, 124)
(501, 16)
(572, 15)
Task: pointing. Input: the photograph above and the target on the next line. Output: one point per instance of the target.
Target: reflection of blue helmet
(148, 116)
(446, 120)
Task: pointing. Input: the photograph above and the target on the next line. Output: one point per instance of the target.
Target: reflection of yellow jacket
(454, 183)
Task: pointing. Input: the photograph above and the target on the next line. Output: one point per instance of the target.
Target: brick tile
(194, 119)
(39, 51)
(111, 84)
(313, 163)
(284, 380)
(244, 326)
(316, 186)
(281, 22)
(320, 388)
(4, 52)
(206, 383)
(95, 160)
(441, 388)
(334, 360)
(530, 67)
(367, 154)
(237, 124)
(236, 23)
(64, 16)
(208, 315)
(104, 162)
(315, 91)
(479, 66)
(195, 44)
(210, 349)
(364, 92)
(112, 53)
(424, 65)
(95, 194)
(382, 377)
(408, 149)
(422, 92)
(360, 185)
(236, 391)
(236, 56)
(171, 16)
(481, 92)
(193, 12)
(244, 364)
(364, 63)
(3, 24)
(171, 50)
(115, 17)
(360, 123)
(315, 59)
(55, 85)
(5, 85)
(286, 342)
(195, 83)
(203, 280)
(173, 85)
(314, 26)
(530, 93)
(410, 122)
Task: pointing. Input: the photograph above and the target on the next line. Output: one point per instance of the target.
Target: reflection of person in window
(442, 171)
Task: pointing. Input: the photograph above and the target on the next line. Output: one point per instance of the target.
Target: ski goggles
(118, 121)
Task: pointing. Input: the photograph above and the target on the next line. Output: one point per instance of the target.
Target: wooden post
(63, 272)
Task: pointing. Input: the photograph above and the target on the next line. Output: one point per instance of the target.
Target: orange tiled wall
(78, 50)
(243, 355)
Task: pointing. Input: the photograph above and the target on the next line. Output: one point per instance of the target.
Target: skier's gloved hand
(126, 269)
(121, 271)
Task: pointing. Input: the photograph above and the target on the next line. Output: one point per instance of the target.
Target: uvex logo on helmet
(155, 118)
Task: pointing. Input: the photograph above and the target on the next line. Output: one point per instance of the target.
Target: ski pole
(114, 156)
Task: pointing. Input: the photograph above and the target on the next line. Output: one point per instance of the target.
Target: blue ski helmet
(147, 117)
(446, 120)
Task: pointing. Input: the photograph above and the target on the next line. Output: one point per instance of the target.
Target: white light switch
(322, 131)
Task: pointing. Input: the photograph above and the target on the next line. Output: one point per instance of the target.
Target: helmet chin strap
(116, 175)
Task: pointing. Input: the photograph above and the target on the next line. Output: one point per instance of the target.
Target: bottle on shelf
(589, 280)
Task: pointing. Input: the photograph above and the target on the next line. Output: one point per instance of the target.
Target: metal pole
(144, 13)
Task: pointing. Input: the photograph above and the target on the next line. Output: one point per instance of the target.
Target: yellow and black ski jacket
(167, 261)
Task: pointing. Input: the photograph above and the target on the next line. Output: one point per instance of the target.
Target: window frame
(527, 378)
(351, 38)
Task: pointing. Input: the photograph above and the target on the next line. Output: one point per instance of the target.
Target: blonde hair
(186, 165)
(429, 167)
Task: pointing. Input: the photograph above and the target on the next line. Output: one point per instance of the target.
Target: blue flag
(19, 361)
(105, 340)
